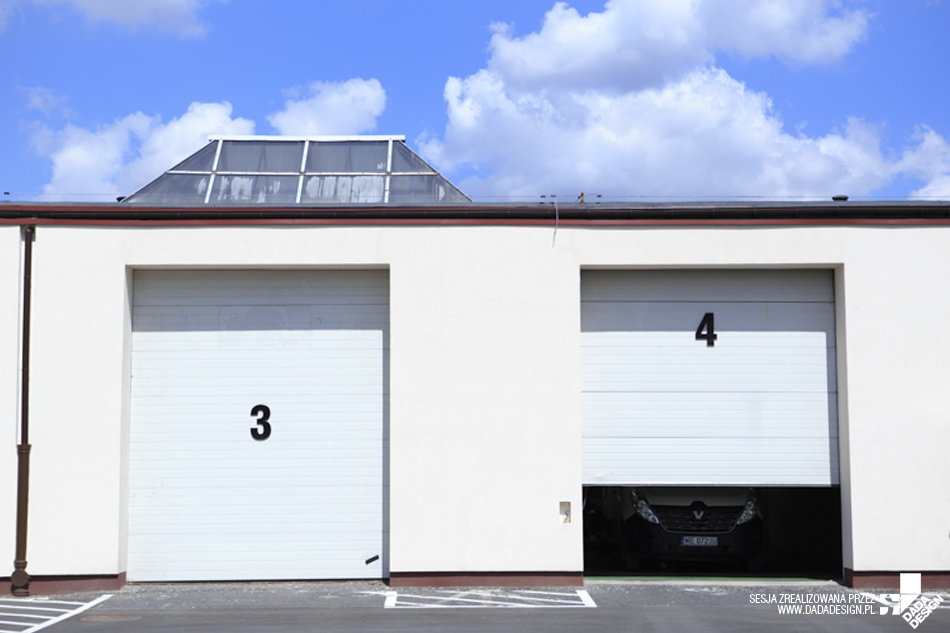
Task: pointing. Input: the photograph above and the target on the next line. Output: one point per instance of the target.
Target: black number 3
(709, 335)
(264, 432)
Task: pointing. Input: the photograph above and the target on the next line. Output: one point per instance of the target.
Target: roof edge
(317, 138)
(890, 213)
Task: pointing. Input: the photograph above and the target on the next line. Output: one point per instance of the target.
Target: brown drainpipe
(19, 579)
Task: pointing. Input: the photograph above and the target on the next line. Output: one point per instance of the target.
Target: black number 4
(707, 324)
(264, 432)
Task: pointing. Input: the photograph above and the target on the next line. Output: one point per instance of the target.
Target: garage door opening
(710, 422)
(649, 531)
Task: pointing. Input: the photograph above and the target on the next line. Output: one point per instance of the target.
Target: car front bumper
(645, 540)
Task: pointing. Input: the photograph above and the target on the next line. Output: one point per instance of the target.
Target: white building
(320, 360)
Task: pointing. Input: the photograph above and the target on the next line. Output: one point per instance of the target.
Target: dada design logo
(910, 604)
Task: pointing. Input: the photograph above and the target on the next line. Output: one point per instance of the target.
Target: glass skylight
(287, 171)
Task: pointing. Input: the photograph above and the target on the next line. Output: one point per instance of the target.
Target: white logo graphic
(910, 604)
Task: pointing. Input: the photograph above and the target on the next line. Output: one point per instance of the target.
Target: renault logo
(698, 514)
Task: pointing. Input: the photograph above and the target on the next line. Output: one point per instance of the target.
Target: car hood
(684, 497)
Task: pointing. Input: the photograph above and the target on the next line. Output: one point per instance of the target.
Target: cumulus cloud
(705, 135)
(121, 157)
(628, 102)
(349, 107)
(629, 45)
(806, 31)
(637, 44)
(177, 16)
(929, 160)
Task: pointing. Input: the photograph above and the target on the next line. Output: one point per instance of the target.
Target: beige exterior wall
(485, 378)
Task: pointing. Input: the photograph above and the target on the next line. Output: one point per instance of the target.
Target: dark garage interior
(797, 534)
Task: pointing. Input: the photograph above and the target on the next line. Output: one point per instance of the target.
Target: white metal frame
(303, 173)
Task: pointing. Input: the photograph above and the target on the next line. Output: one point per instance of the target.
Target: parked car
(690, 524)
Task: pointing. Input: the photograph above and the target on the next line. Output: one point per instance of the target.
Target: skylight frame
(302, 174)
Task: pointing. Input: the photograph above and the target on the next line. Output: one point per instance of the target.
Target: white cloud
(119, 158)
(808, 31)
(629, 45)
(706, 135)
(929, 160)
(936, 189)
(636, 44)
(349, 107)
(177, 16)
(628, 102)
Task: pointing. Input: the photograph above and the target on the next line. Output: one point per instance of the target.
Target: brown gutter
(19, 579)
(576, 214)
(908, 221)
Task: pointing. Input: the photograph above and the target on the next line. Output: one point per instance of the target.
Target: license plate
(702, 541)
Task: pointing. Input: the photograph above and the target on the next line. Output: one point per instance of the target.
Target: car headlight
(748, 512)
(645, 512)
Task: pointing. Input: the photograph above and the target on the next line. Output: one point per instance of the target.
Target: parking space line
(585, 597)
(533, 599)
(547, 593)
(466, 601)
(487, 599)
(16, 608)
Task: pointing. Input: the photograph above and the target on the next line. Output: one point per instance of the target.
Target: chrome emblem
(699, 514)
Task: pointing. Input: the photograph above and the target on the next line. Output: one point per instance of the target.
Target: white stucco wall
(895, 412)
(485, 378)
(899, 404)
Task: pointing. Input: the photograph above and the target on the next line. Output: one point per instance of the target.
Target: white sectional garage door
(667, 400)
(258, 414)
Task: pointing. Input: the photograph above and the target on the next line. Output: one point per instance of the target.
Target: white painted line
(517, 596)
(507, 600)
(16, 606)
(547, 593)
(467, 600)
(522, 599)
(416, 605)
(586, 599)
(43, 600)
(60, 618)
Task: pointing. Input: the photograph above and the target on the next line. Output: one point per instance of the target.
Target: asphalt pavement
(369, 606)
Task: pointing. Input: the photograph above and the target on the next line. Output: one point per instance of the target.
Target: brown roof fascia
(604, 214)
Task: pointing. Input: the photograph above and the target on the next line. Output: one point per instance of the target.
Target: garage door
(709, 377)
(257, 438)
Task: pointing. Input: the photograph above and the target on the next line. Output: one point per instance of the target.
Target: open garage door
(709, 377)
(257, 439)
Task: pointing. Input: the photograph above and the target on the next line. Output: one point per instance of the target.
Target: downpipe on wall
(20, 579)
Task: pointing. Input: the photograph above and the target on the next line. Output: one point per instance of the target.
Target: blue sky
(632, 99)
